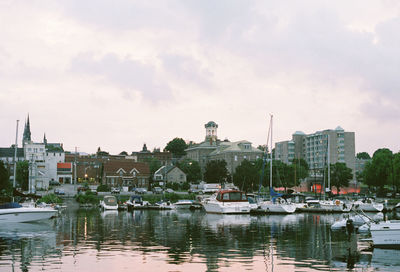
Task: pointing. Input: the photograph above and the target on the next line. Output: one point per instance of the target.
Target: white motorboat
(358, 220)
(368, 205)
(183, 204)
(227, 202)
(164, 205)
(385, 233)
(136, 202)
(326, 206)
(15, 213)
(335, 206)
(109, 203)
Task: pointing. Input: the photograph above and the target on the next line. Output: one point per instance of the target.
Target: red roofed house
(119, 173)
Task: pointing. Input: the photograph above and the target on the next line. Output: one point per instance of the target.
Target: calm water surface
(91, 240)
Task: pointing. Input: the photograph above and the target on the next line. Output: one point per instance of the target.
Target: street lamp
(86, 175)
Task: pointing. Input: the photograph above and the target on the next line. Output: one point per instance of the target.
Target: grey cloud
(124, 73)
(187, 69)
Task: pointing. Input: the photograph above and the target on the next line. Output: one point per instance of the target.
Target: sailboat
(277, 204)
(15, 213)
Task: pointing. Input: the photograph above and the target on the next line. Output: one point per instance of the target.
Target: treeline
(382, 170)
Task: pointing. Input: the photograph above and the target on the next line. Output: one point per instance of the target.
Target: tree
(191, 169)
(216, 172)
(177, 147)
(363, 156)
(123, 153)
(340, 175)
(300, 170)
(23, 174)
(154, 165)
(377, 173)
(246, 176)
(396, 170)
(4, 177)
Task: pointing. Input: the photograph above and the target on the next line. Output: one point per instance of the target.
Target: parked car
(169, 190)
(59, 191)
(157, 190)
(141, 190)
(115, 190)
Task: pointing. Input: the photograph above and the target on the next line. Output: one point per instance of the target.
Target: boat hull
(226, 208)
(277, 208)
(21, 215)
(386, 234)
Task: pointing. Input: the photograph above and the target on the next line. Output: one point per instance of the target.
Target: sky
(118, 74)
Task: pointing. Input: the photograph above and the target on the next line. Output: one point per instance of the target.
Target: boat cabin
(231, 196)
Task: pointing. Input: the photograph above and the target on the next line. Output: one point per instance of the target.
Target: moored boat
(227, 202)
(368, 205)
(15, 213)
(136, 202)
(385, 233)
(183, 204)
(109, 203)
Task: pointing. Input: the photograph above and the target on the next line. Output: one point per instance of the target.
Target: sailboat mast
(15, 156)
(329, 166)
(270, 166)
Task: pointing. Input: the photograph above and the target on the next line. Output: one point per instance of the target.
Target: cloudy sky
(118, 74)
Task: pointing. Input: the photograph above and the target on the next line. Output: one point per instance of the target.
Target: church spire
(45, 139)
(27, 132)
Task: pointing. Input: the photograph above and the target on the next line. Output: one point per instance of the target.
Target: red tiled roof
(64, 165)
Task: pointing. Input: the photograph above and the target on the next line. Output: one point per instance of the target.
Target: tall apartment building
(314, 148)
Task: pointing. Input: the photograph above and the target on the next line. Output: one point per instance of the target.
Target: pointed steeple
(27, 132)
(45, 139)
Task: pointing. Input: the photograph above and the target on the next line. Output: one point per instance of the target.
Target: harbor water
(175, 240)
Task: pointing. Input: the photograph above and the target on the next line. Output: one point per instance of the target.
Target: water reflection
(88, 240)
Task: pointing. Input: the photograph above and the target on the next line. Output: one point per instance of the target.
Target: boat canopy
(10, 205)
(110, 200)
(231, 196)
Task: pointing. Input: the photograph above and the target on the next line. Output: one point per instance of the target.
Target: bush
(87, 198)
(103, 188)
(50, 199)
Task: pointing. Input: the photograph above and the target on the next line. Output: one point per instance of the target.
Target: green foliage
(154, 165)
(191, 169)
(50, 199)
(23, 174)
(103, 188)
(173, 185)
(177, 147)
(340, 175)
(396, 169)
(377, 173)
(87, 198)
(246, 176)
(4, 177)
(123, 153)
(216, 172)
(363, 156)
